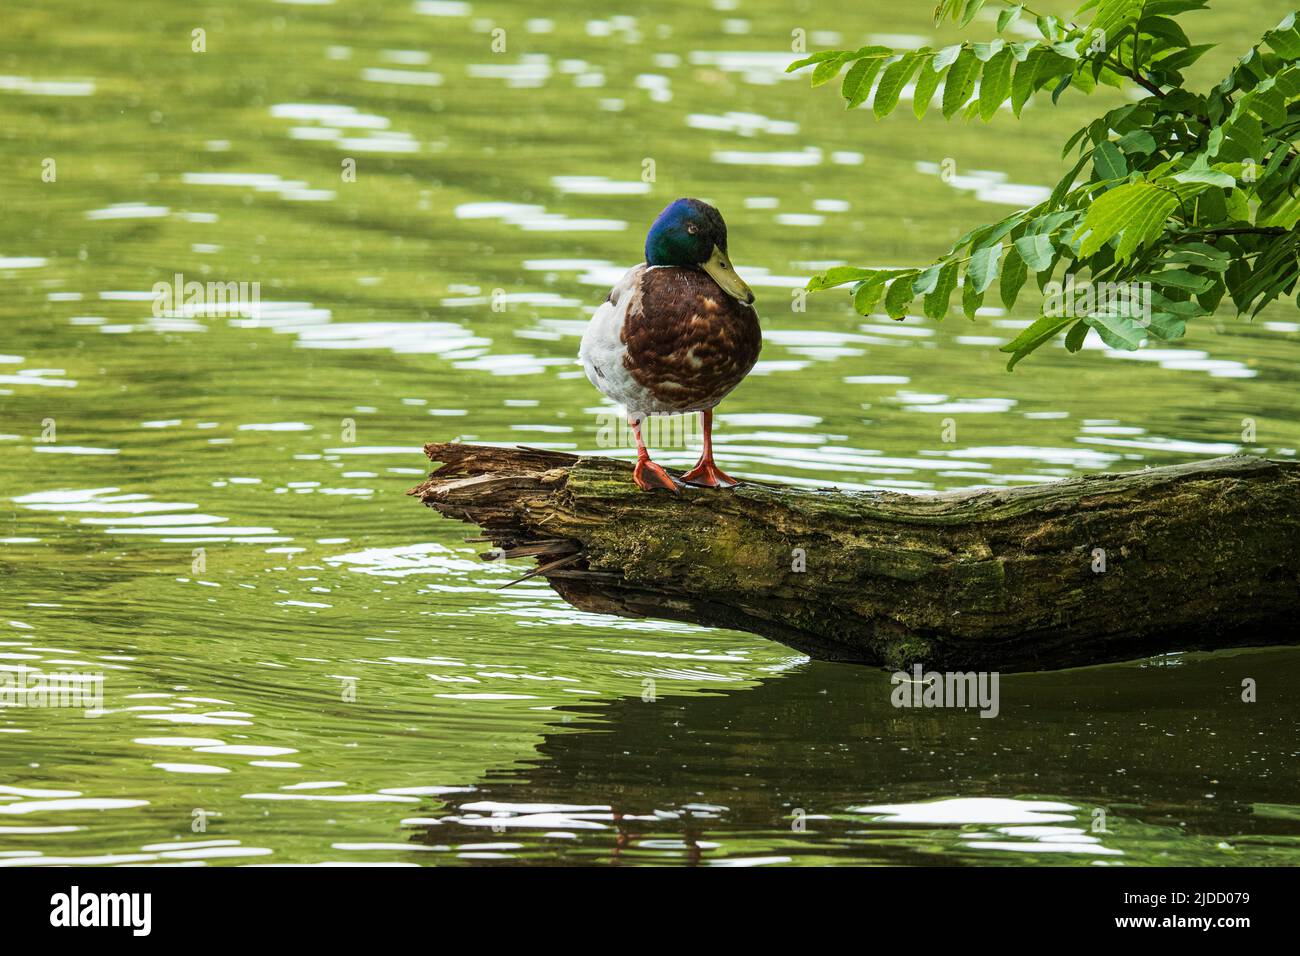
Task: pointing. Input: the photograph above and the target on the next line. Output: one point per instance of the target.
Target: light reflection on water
(205, 507)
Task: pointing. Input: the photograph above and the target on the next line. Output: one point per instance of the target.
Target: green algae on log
(1084, 571)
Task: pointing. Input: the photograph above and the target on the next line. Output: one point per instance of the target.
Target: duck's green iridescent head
(691, 234)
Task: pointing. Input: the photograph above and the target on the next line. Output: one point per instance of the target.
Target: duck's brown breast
(688, 342)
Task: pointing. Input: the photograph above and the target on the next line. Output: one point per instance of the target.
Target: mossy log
(1083, 571)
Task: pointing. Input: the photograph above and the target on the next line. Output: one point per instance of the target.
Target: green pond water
(204, 515)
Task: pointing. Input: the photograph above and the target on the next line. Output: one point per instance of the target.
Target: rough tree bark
(1094, 569)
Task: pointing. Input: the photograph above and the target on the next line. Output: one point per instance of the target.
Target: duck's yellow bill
(724, 274)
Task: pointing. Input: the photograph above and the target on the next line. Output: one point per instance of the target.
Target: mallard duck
(677, 333)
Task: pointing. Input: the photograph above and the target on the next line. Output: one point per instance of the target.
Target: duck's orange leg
(647, 474)
(706, 473)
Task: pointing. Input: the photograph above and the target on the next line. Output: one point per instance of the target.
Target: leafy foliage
(1188, 196)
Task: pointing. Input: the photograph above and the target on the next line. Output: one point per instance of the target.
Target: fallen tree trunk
(1094, 569)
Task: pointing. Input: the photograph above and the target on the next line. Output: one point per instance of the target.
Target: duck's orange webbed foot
(708, 475)
(649, 476)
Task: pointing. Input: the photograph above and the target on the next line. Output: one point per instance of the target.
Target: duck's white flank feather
(602, 350)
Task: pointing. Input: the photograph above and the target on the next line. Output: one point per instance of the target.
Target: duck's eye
(692, 229)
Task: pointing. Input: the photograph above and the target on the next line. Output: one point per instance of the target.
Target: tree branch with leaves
(1187, 196)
